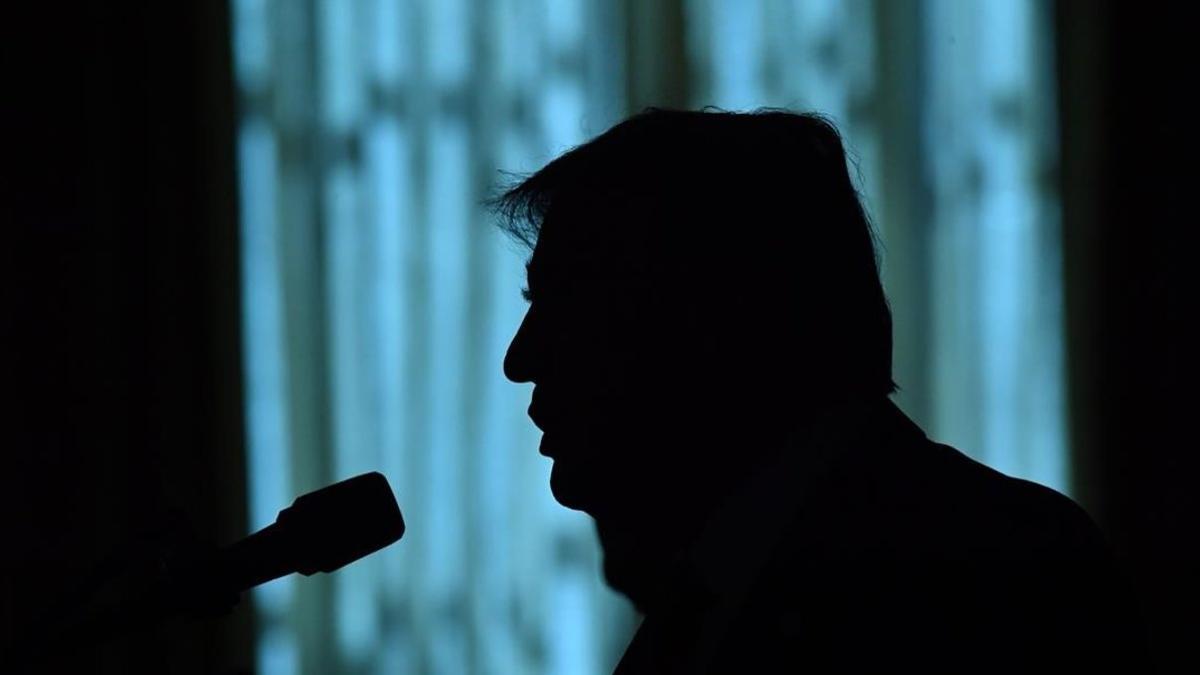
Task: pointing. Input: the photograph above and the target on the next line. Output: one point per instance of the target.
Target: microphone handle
(255, 560)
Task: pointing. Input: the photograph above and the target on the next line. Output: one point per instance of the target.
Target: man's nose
(520, 361)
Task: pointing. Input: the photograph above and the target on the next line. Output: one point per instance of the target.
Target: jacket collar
(740, 538)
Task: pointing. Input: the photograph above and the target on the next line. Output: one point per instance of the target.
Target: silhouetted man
(711, 352)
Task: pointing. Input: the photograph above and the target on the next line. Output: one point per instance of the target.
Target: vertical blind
(378, 300)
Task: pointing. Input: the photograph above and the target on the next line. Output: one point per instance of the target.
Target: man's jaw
(633, 566)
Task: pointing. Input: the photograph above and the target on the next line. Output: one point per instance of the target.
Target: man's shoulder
(1013, 509)
(914, 562)
(927, 506)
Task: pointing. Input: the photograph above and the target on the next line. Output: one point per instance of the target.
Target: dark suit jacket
(870, 548)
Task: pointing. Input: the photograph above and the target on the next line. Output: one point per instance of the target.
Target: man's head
(699, 282)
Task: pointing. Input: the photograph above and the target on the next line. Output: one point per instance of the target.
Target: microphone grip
(257, 559)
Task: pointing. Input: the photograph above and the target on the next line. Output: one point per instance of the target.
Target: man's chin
(569, 487)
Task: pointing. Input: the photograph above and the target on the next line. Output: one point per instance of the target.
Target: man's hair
(756, 211)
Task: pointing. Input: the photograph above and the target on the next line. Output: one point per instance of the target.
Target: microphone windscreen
(340, 523)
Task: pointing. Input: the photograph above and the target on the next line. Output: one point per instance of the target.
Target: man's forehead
(603, 236)
(551, 261)
(557, 261)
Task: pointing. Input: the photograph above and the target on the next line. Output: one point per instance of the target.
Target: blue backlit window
(378, 300)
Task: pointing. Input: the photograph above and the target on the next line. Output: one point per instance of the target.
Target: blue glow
(251, 48)
(447, 255)
(355, 448)
(388, 158)
(447, 41)
(277, 653)
(263, 345)
(995, 376)
(379, 301)
(735, 54)
(388, 22)
(998, 390)
(570, 640)
(341, 87)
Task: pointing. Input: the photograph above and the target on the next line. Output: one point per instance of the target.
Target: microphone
(321, 531)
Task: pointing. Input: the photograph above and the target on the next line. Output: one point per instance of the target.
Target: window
(379, 301)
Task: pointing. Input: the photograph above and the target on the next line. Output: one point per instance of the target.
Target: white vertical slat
(392, 224)
(266, 384)
(340, 64)
(357, 626)
(447, 220)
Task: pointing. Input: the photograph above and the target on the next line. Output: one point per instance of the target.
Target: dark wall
(1130, 180)
(120, 308)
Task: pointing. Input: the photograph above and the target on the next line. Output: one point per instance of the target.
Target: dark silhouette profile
(711, 353)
